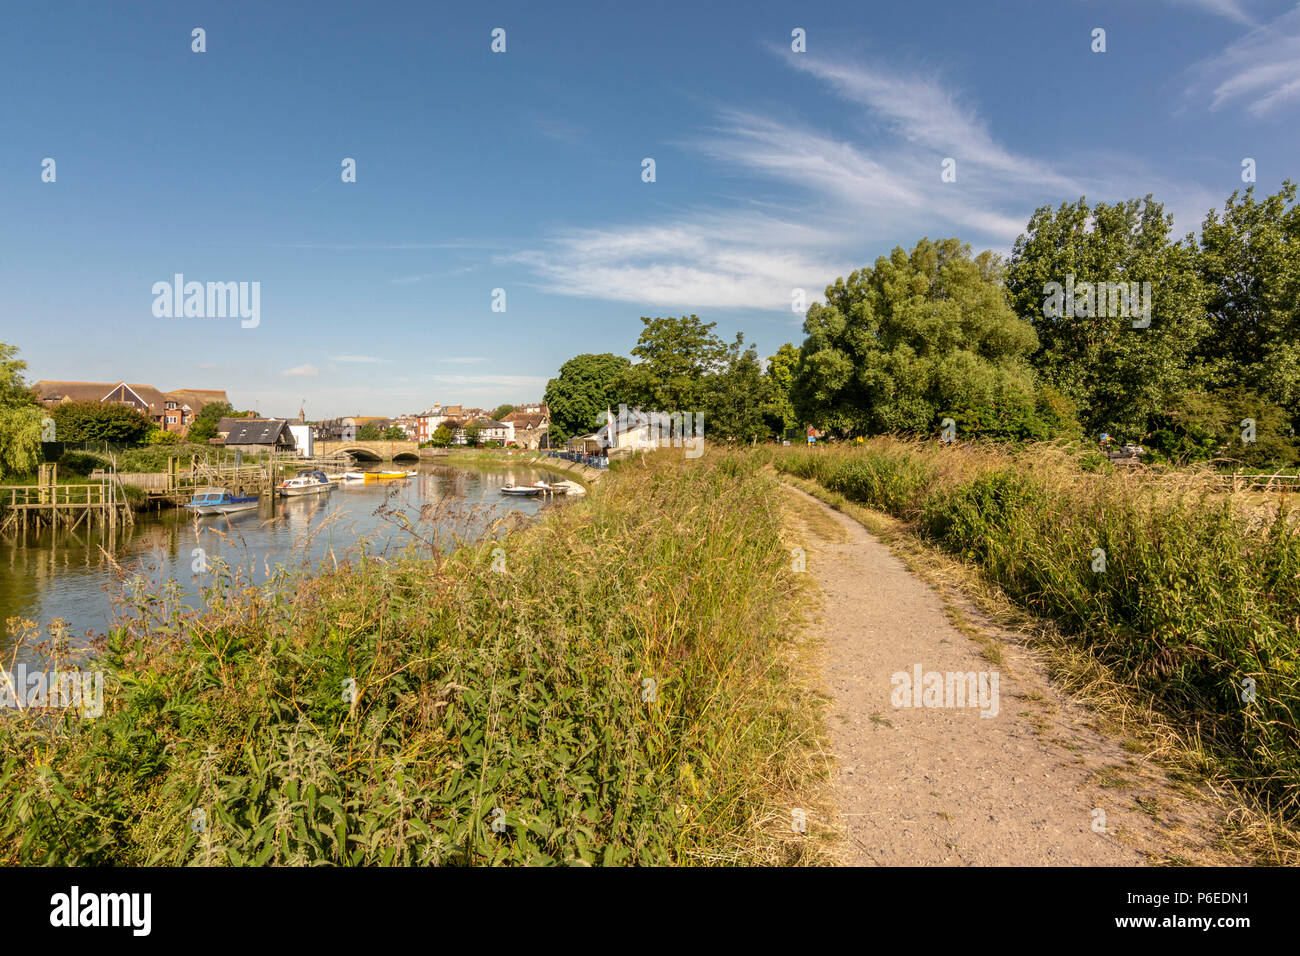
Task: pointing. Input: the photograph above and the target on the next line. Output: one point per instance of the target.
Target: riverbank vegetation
(1186, 595)
(612, 685)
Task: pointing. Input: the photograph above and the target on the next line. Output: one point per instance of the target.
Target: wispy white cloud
(382, 246)
(745, 260)
(1259, 72)
(357, 358)
(1230, 9)
(493, 381)
(560, 129)
(843, 198)
(926, 113)
(302, 371)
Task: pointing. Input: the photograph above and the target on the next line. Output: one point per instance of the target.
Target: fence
(591, 461)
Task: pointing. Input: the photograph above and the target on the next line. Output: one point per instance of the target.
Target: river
(70, 576)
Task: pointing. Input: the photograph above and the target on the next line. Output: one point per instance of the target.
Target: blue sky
(522, 170)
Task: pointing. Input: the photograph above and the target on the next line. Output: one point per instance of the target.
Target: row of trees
(682, 365)
(1101, 321)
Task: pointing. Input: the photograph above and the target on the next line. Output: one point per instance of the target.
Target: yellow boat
(372, 476)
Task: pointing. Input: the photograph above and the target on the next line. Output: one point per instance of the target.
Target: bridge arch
(360, 453)
(369, 450)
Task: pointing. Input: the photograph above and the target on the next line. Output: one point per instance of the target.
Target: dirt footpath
(923, 777)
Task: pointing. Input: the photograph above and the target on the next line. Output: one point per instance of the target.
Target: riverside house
(530, 427)
(254, 435)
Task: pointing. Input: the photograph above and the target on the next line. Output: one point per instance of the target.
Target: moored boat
(307, 482)
(523, 491)
(373, 476)
(219, 501)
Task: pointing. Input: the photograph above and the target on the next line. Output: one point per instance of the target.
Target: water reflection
(76, 576)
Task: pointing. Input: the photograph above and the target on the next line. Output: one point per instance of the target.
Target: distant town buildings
(525, 427)
(530, 424)
(334, 429)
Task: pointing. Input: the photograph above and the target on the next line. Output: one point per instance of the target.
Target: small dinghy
(522, 491)
(536, 488)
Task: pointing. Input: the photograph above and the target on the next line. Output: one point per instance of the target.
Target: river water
(72, 577)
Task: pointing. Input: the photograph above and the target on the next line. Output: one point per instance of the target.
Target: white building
(302, 438)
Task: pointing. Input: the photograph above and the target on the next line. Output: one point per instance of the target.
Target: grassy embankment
(624, 692)
(1199, 597)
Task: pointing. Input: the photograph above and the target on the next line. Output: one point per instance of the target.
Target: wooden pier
(103, 500)
(48, 504)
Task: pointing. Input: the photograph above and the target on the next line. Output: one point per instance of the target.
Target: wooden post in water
(46, 474)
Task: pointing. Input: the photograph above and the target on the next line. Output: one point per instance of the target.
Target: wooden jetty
(48, 504)
(103, 500)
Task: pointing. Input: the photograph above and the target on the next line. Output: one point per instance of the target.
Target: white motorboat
(307, 482)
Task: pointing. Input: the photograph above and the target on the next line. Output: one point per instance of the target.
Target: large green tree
(20, 417)
(1250, 264)
(204, 426)
(919, 337)
(1120, 371)
(737, 398)
(781, 370)
(675, 358)
(584, 389)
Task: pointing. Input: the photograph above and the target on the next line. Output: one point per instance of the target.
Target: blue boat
(219, 501)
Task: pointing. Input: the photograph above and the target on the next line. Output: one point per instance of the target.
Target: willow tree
(919, 337)
(20, 417)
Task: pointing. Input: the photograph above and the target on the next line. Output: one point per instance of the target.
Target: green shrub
(81, 463)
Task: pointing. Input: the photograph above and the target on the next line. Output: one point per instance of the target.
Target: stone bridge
(377, 450)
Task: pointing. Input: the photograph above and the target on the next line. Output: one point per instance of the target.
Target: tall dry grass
(618, 693)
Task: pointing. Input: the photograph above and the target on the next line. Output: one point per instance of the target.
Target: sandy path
(936, 785)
